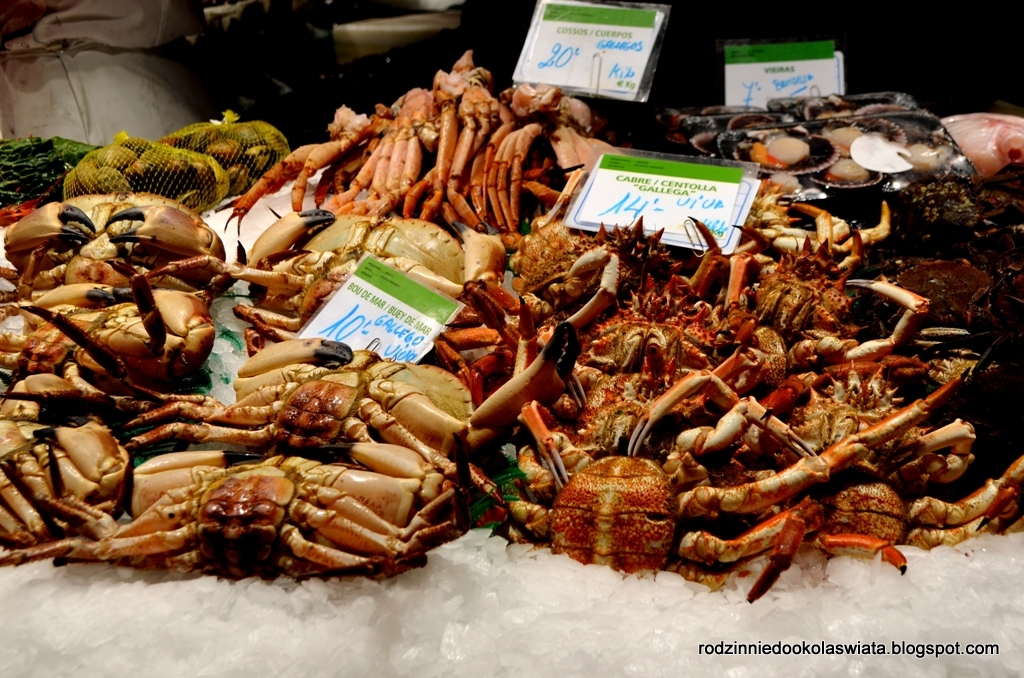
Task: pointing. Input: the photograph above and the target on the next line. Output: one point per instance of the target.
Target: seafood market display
(695, 412)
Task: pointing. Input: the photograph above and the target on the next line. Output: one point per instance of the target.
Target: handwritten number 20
(560, 56)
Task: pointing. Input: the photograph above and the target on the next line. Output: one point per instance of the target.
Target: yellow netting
(131, 165)
(244, 149)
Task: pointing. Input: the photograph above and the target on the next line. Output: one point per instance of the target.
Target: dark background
(280, 66)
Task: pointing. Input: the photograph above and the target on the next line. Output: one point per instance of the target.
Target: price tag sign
(382, 309)
(622, 188)
(607, 50)
(756, 73)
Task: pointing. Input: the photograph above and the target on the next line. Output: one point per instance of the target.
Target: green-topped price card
(668, 194)
(382, 309)
(755, 73)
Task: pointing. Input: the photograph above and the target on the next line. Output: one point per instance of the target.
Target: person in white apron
(87, 69)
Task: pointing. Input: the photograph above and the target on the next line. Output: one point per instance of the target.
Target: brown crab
(74, 241)
(282, 516)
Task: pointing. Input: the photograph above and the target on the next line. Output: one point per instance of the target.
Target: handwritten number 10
(560, 56)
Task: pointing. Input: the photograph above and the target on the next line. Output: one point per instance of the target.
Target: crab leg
(958, 436)
(916, 313)
(782, 533)
(930, 537)
(416, 193)
(544, 381)
(477, 181)
(501, 158)
(531, 418)
(523, 143)
(808, 471)
(322, 155)
(990, 501)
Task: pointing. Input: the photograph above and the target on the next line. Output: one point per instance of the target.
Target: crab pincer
(168, 229)
(544, 381)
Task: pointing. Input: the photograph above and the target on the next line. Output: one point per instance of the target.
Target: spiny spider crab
(804, 300)
(281, 516)
(74, 242)
(625, 511)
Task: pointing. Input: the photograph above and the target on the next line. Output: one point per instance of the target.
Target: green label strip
(788, 51)
(608, 16)
(414, 295)
(671, 168)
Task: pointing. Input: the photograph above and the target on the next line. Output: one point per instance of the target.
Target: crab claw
(265, 367)
(544, 381)
(168, 229)
(83, 295)
(46, 224)
(287, 231)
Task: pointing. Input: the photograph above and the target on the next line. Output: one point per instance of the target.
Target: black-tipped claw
(122, 294)
(233, 458)
(317, 218)
(328, 454)
(102, 297)
(334, 352)
(131, 236)
(130, 214)
(73, 235)
(48, 433)
(564, 347)
(491, 230)
(240, 254)
(70, 213)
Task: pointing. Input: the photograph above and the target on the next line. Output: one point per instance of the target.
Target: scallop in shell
(788, 152)
(844, 133)
(846, 173)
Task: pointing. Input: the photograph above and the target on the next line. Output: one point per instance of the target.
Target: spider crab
(628, 511)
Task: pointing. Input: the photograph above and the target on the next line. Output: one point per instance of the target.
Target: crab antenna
(103, 355)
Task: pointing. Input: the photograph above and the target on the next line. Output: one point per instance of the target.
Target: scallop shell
(677, 137)
(823, 153)
(880, 126)
(705, 142)
(748, 120)
(821, 178)
(829, 106)
(871, 109)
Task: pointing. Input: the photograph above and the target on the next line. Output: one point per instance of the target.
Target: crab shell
(874, 509)
(414, 239)
(169, 231)
(189, 341)
(616, 512)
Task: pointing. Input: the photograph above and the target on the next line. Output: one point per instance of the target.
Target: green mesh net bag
(131, 165)
(244, 149)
